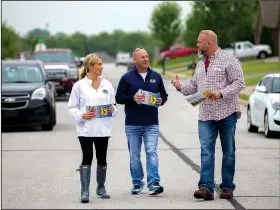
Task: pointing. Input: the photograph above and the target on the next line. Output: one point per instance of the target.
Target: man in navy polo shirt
(141, 121)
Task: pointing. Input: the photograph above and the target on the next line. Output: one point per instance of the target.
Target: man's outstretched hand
(176, 83)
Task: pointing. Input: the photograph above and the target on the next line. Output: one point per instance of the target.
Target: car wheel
(268, 133)
(54, 118)
(262, 55)
(52, 122)
(47, 127)
(250, 127)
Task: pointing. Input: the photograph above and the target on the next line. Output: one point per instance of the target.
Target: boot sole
(226, 196)
(201, 196)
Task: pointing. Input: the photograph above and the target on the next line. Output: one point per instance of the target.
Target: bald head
(141, 59)
(138, 51)
(207, 42)
(210, 36)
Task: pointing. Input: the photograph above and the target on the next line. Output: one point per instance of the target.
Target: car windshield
(12, 73)
(55, 56)
(276, 85)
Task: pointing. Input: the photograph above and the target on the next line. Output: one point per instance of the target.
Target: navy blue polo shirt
(130, 83)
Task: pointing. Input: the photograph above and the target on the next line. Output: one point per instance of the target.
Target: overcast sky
(89, 17)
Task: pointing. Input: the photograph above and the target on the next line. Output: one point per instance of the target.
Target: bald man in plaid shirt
(220, 72)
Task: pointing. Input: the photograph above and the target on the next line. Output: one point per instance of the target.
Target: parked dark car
(28, 98)
(55, 60)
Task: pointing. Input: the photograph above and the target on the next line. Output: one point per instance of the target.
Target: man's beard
(201, 52)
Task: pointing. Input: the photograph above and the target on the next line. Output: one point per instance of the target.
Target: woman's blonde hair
(90, 59)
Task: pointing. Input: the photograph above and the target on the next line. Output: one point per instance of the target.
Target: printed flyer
(102, 110)
(198, 97)
(149, 98)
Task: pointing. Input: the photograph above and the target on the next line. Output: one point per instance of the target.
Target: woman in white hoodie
(93, 122)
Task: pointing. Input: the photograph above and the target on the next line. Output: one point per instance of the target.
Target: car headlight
(39, 94)
(275, 104)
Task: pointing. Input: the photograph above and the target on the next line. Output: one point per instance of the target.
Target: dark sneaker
(226, 193)
(155, 189)
(203, 193)
(136, 189)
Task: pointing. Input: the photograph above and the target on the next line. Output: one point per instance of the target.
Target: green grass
(244, 96)
(249, 81)
(250, 66)
(260, 66)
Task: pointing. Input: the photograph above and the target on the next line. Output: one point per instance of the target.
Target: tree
(231, 21)
(81, 44)
(10, 42)
(165, 23)
(38, 32)
(78, 44)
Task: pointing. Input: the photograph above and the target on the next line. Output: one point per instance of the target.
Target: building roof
(270, 11)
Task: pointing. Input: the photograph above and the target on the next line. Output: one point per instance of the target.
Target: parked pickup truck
(60, 67)
(245, 49)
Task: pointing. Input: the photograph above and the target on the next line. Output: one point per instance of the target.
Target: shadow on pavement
(274, 137)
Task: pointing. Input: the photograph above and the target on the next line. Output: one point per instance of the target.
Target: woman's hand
(89, 115)
(111, 108)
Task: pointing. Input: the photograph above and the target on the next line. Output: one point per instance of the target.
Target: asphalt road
(39, 168)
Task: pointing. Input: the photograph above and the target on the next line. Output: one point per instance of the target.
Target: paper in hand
(102, 110)
(198, 97)
(150, 98)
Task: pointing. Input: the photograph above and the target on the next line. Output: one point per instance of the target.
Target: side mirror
(261, 89)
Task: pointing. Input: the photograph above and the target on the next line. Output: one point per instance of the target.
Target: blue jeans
(208, 132)
(149, 134)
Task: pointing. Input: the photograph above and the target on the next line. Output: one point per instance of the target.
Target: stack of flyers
(198, 97)
(102, 110)
(149, 98)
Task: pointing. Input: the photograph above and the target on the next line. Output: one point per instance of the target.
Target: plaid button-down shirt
(224, 74)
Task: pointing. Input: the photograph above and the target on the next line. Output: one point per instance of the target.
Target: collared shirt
(206, 62)
(224, 74)
(82, 95)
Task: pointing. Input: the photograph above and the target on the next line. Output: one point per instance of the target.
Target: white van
(123, 58)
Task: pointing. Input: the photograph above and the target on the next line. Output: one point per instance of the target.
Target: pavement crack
(196, 168)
